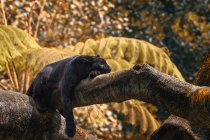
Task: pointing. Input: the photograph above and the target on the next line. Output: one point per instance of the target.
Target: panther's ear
(97, 55)
(86, 60)
(82, 60)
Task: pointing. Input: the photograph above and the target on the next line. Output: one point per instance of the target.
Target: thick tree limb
(18, 113)
(19, 120)
(147, 84)
(176, 128)
(179, 128)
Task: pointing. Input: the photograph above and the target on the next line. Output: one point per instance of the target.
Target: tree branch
(18, 113)
(149, 85)
(175, 126)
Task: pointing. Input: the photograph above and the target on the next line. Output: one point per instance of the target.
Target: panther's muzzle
(105, 68)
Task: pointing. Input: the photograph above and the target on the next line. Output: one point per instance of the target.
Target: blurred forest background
(183, 26)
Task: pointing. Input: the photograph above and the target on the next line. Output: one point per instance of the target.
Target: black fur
(53, 87)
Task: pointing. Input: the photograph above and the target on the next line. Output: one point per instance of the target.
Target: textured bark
(149, 85)
(203, 75)
(20, 119)
(178, 128)
(175, 128)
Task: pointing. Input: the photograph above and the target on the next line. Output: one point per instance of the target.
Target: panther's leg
(67, 85)
(68, 113)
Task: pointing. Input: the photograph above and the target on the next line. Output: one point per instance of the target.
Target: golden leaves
(122, 53)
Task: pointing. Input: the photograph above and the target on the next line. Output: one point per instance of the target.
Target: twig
(26, 80)
(15, 76)
(3, 12)
(39, 18)
(30, 18)
(9, 73)
(3, 86)
(12, 73)
(22, 82)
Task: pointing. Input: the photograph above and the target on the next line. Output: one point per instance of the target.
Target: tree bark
(175, 128)
(19, 118)
(179, 128)
(149, 85)
(203, 75)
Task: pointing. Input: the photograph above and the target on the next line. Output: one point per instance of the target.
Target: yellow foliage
(7, 49)
(19, 47)
(19, 38)
(13, 43)
(193, 17)
(122, 53)
(38, 58)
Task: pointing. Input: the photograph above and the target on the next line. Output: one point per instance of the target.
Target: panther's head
(93, 65)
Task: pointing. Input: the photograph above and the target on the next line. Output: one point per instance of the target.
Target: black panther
(53, 87)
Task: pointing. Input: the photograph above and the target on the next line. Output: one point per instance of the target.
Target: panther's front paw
(93, 74)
